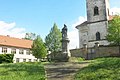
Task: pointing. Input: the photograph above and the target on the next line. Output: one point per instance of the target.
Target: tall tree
(30, 36)
(53, 39)
(114, 31)
(38, 48)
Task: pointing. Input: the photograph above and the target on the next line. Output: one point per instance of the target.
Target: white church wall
(83, 35)
(97, 27)
(100, 27)
(102, 42)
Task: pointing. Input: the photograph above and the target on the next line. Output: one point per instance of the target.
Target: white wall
(93, 29)
(20, 56)
(87, 34)
(97, 27)
(83, 35)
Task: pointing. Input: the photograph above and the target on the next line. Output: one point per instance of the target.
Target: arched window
(96, 10)
(97, 36)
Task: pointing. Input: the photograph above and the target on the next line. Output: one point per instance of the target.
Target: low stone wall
(77, 53)
(95, 52)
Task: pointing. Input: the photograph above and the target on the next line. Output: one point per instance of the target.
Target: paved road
(63, 70)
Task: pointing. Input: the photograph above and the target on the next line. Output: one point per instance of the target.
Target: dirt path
(63, 70)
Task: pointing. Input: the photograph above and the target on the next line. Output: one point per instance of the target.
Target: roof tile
(15, 42)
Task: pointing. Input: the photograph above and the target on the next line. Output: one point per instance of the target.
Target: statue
(64, 31)
(65, 41)
(65, 54)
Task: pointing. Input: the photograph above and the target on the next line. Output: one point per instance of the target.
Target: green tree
(38, 48)
(114, 31)
(30, 36)
(53, 39)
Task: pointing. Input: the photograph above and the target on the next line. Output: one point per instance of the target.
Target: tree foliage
(30, 36)
(53, 39)
(38, 48)
(6, 58)
(114, 31)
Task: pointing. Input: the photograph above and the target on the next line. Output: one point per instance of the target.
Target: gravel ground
(63, 70)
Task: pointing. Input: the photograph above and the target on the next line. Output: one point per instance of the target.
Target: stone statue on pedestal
(65, 41)
(65, 53)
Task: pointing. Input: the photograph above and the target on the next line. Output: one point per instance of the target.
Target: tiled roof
(15, 42)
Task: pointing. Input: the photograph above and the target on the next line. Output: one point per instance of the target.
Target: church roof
(82, 24)
(85, 22)
(15, 42)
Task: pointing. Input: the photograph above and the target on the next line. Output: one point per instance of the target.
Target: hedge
(6, 58)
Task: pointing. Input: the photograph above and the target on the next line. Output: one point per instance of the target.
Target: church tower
(97, 10)
(97, 21)
(94, 30)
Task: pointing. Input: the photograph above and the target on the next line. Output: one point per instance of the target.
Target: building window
(21, 51)
(97, 36)
(13, 51)
(4, 50)
(27, 52)
(96, 10)
(24, 60)
(17, 60)
(29, 60)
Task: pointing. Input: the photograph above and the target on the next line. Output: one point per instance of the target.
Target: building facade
(94, 30)
(19, 47)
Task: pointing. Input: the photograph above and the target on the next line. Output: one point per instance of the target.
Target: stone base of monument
(64, 57)
(61, 57)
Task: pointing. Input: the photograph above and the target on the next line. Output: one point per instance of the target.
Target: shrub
(6, 58)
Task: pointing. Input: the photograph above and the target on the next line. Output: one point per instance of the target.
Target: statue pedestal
(65, 51)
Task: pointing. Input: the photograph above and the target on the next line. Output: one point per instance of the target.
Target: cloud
(74, 39)
(114, 11)
(73, 34)
(11, 29)
(80, 20)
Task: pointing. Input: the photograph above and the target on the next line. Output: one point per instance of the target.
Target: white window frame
(21, 51)
(27, 52)
(4, 49)
(13, 51)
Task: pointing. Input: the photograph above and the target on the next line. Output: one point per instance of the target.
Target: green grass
(22, 71)
(76, 59)
(101, 69)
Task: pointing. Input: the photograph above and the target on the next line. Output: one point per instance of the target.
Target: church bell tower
(97, 10)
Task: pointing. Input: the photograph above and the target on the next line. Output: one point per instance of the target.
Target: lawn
(101, 69)
(22, 71)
